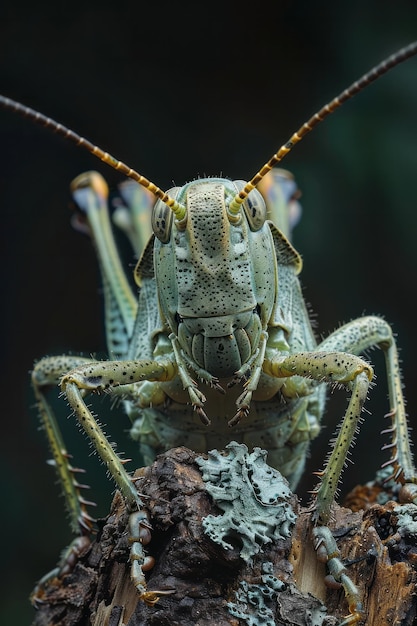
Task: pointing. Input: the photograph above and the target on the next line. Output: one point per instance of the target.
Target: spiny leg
(46, 374)
(89, 376)
(355, 374)
(99, 376)
(357, 337)
(337, 368)
(345, 368)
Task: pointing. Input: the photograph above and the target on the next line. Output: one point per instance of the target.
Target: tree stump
(282, 585)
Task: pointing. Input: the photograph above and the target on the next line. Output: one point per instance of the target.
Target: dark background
(178, 90)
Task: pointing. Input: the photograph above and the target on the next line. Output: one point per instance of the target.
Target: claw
(243, 404)
(215, 385)
(202, 415)
(237, 379)
(152, 597)
(241, 414)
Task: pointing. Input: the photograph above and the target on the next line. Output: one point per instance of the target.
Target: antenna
(376, 72)
(178, 209)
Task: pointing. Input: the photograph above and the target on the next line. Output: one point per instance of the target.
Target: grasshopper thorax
(215, 274)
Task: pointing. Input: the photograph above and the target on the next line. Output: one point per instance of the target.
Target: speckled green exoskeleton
(217, 343)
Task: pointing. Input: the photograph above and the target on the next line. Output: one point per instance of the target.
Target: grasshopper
(219, 301)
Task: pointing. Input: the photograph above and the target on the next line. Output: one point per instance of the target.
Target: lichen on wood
(209, 582)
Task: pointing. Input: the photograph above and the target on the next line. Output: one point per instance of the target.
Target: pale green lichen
(251, 600)
(407, 521)
(256, 605)
(253, 496)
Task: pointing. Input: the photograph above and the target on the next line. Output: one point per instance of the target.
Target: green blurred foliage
(179, 93)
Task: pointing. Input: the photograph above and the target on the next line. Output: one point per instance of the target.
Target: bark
(205, 577)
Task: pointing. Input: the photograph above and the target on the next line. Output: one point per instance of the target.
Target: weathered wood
(205, 577)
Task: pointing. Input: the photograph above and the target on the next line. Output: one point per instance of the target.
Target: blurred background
(179, 90)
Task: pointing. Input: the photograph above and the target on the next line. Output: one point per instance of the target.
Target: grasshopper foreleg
(244, 400)
(196, 396)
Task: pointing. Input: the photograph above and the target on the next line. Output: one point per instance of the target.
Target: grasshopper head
(215, 272)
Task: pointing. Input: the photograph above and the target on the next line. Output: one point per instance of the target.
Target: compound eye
(254, 207)
(162, 217)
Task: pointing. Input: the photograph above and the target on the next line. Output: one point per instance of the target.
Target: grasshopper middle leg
(79, 376)
(335, 361)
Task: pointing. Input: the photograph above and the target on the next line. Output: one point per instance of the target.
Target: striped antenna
(179, 210)
(396, 58)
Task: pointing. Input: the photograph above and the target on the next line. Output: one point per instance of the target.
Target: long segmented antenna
(376, 72)
(177, 208)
